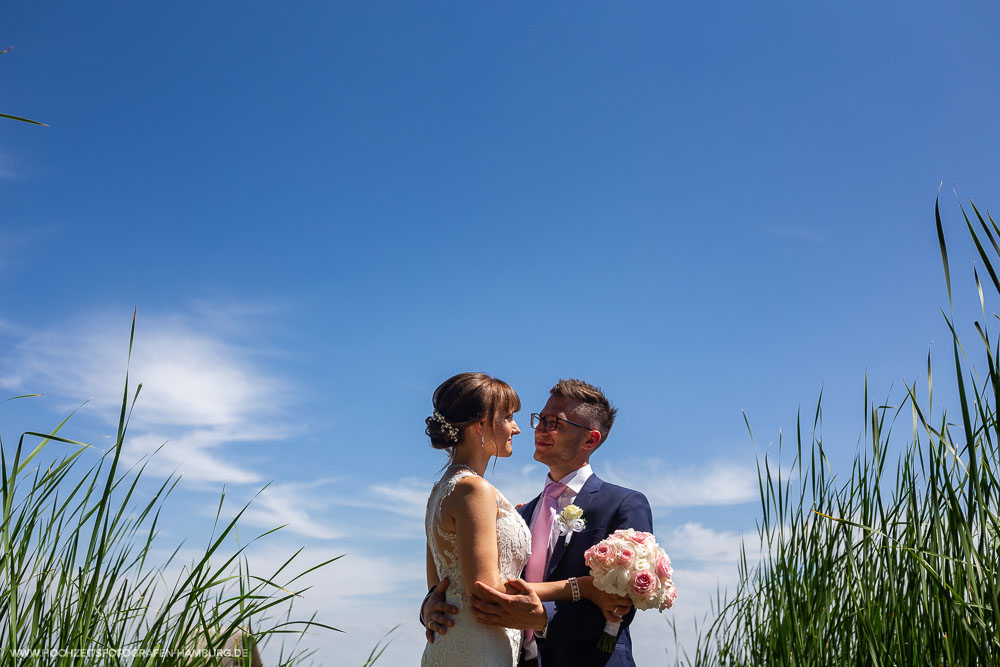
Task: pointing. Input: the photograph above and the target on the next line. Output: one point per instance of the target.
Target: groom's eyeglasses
(551, 422)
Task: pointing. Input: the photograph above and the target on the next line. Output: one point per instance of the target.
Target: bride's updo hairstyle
(463, 400)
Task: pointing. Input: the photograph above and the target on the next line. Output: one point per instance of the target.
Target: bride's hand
(614, 607)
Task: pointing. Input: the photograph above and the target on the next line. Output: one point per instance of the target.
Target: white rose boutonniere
(570, 521)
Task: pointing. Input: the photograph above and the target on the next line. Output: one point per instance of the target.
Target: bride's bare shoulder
(470, 492)
(474, 486)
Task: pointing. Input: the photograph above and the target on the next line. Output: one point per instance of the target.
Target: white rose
(644, 603)
(617, 581)
(601, 581)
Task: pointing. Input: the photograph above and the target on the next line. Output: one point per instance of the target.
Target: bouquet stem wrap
(609, 639)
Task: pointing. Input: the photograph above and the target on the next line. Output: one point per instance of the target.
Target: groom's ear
(593, 440)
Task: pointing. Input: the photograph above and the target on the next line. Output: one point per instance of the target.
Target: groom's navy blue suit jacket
(573, 631)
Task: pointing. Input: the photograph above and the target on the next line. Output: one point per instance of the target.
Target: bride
(473, 532)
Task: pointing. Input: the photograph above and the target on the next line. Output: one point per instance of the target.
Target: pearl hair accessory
(451, 431)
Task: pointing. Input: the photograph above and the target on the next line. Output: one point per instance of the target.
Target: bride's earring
(482, 441)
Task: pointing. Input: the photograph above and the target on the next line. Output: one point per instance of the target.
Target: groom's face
(562, 449)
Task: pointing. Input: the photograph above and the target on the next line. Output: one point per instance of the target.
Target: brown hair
(463, 400)
(594, 405)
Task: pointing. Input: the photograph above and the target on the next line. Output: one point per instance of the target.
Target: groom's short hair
(594, 405)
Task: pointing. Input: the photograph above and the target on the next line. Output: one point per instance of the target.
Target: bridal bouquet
(630, 562)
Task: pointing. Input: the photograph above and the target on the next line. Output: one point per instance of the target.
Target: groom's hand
(435, 611)
(613, 607)
(518, 608)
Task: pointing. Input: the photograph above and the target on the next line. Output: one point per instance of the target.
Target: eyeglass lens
(548, 423)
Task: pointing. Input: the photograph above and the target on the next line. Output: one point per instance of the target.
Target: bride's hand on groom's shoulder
(614, 607)
(517, 606)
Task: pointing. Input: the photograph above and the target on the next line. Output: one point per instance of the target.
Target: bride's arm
(519, 604)
(473, 505)
(560, 591)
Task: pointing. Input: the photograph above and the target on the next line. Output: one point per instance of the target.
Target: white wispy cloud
(407, 497)
(202, 395)
(695, 542)
(666, 485)
(697, 485)
(297, 507)
(520, 485)
(364, 593)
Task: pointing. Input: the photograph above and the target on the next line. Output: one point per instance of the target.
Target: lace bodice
(469, 642)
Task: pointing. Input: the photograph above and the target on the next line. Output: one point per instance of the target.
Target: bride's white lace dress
(469, 643)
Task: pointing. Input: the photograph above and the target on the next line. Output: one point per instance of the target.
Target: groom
(575, 421)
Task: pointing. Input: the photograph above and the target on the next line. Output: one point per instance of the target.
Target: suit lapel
(584, 500)
(528, 509)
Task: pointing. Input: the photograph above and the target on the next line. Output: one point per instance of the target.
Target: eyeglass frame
(537, 419)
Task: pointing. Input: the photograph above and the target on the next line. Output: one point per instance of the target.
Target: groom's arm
(519, 608)
(435, 612)
(634, 512)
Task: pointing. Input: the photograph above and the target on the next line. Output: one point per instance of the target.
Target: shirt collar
(575, 480)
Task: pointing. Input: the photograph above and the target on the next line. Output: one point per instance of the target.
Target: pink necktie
(541, 531)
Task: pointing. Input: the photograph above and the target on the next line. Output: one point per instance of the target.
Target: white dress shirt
(574, 484)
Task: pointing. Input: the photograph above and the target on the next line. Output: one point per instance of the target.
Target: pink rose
(671, 596)
(643, 583)
(625, 556)
(663, 567)
(600, 555)
(638, 538)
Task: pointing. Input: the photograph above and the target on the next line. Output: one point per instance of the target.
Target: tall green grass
(898, 563)
(80, 580)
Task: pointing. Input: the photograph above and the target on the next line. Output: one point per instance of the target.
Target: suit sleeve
(634, 512)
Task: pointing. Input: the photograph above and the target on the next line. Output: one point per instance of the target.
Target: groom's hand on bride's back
(518, 607)
(435, 612)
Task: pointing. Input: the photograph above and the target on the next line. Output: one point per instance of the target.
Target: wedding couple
(495, 570)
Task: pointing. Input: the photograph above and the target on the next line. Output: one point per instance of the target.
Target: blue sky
(322, 210)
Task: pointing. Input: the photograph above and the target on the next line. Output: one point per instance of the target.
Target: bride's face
(503, 436)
